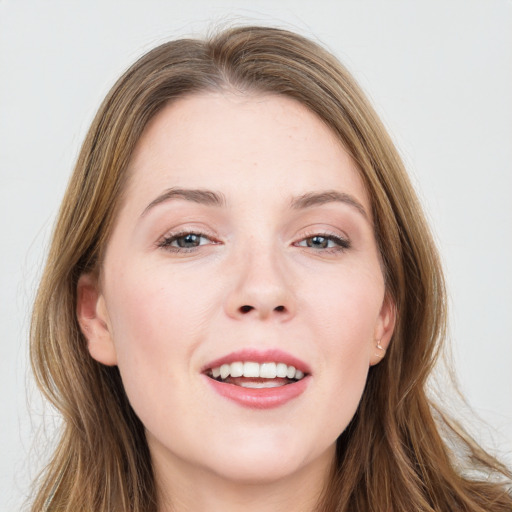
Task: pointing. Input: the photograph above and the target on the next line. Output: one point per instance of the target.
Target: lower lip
(262, 398)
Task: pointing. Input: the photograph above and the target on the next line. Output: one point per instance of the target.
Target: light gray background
(439, 73)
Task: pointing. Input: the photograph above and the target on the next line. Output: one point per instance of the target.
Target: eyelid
(165, 241)
(342, 241)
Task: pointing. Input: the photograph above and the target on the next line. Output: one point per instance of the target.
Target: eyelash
(166, 242)
(341, 244)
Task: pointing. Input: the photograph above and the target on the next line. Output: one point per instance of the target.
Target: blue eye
(184, 241)
(322, 242)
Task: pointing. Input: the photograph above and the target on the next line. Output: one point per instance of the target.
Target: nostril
(247, 309)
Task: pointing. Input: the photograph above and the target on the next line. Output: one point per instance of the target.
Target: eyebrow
(211, 198)
(206, 197)
(330, 196)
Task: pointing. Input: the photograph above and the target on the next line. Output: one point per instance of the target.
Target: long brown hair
(391, 457)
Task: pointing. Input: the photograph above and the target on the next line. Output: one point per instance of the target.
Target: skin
(161, 315)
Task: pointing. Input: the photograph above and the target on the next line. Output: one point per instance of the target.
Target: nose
(262, 289)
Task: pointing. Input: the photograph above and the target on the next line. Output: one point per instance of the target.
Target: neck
(185, 488)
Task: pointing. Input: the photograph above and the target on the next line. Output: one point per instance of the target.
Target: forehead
(234, 142)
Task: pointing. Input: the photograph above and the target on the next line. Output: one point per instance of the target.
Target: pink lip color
(258, 356)
(263, 398)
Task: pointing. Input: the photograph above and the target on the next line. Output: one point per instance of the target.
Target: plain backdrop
(440, 75)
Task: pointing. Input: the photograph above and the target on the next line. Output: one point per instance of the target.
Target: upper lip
(259, 356)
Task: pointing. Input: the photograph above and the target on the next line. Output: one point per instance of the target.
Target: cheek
(157, 320)
(344, 316)
(347, 309)
(151, 306)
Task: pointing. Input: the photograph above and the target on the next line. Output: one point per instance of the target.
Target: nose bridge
(262, 287)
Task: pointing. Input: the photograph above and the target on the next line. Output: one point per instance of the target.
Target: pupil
(318, 241)
(189, 240)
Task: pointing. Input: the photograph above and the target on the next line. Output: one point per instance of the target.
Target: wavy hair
(392, 456)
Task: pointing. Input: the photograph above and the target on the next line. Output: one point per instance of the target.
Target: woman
(242, 302)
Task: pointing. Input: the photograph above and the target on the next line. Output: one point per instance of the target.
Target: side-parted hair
(391, 457)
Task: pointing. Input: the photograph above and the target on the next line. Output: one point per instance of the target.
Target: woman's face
(245, 236)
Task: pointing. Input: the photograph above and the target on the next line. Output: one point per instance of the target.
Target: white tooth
(268, 370)
(216, 372)
(259, 385)
(251, 369)
(224, 371)
(299, 375)
(291, 372)
(237, 369)
(281, 370)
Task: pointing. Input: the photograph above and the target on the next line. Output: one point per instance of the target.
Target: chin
(266, 461)
(258, 469)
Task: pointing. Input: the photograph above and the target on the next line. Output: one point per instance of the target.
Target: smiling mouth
(249, 374)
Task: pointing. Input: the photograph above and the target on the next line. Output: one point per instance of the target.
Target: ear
(383, 330)
(92, 315)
